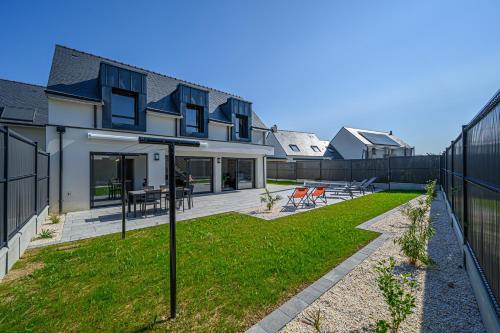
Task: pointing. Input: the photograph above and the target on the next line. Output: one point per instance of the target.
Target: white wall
(160, 124)
(71, 113)
(76, 161)
(217, 131)
(348, 145)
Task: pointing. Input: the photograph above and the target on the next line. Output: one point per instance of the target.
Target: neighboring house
(355, 143)
(93, 106)
(292, 146)
(23, 108)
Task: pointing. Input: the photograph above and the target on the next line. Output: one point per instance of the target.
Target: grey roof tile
(23, 103)
(76, 73)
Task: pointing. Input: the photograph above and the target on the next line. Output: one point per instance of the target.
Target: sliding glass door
(238, 174)
(106, 177)
(198, 171)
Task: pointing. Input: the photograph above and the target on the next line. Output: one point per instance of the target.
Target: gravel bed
(444, 297)
(56, 229)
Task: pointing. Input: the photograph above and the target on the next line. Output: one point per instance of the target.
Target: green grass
(283, 182)
(232, 270)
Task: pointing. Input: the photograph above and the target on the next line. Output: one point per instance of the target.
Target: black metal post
(464, 182)
(6, 186)
(389, 172)
(61, 130)
(452, 176)
(171, 197)
(36, 177)
(122, 167)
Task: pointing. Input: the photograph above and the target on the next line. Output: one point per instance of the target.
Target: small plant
(413, 242)
(269, 199)
(46, 233)
(399, 295)
(313, 318)
(54, 218)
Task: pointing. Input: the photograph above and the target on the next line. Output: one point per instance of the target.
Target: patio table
(133, 195)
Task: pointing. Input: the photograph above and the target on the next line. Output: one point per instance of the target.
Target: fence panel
(366, 169)
(477, 204)
(336, 170)
(409, 169)
(414, 169)
(310, 170)
(24, 181)
(43, 181)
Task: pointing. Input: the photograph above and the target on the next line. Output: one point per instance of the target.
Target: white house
(292, 146)
(355, 143)
(96, 106)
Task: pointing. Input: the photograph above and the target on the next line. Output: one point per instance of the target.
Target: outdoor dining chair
(150, 197)
(300, 194)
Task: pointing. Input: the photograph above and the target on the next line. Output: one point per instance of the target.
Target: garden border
(278, 319)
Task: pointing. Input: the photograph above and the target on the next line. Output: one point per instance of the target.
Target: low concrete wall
(19, 242)
(491, 319)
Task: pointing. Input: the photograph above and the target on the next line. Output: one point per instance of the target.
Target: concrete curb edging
(277, 319)
(19, 242)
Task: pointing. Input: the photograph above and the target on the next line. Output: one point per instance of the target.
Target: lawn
(232, 270)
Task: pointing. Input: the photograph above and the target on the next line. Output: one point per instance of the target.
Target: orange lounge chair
(318, 193)
(300, 194)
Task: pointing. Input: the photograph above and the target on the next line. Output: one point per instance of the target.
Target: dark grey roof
(23, 103)
(333, 153)
(76, 73)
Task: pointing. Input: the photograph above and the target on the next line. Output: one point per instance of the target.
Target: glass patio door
(229, 168)
(237, 174)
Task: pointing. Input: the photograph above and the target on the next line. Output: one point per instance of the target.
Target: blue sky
(421, 69)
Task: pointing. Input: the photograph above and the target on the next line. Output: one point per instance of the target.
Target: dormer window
(123, 107)
(194, 119)
(241, 127)
(294, 148)
(316, 149)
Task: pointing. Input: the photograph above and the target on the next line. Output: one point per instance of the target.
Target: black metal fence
(404, 169)
(470, 177)
(24, 182)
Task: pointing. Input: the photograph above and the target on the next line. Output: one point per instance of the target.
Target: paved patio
(102, 221)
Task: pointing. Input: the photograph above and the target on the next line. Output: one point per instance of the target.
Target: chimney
(390, 132)
(274, 128)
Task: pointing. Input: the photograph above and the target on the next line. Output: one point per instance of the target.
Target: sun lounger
(318, 194)
(300, 194)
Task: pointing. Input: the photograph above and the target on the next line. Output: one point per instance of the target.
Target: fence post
(464, 182)
(36, 178)
(389, 172)
(6, 186)
(452, 176)
(350, 174)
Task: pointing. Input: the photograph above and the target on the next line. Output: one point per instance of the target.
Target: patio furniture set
(151, 196)
(312, 192)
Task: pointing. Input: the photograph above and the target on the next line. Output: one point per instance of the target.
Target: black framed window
(294, 148)
(194, 119)
(123, 107)
(316, 149)
(241, 126)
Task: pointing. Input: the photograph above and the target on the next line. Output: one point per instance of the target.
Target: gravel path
(445, 302)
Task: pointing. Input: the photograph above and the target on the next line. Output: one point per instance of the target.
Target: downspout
(61, 130)
(95, 116)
